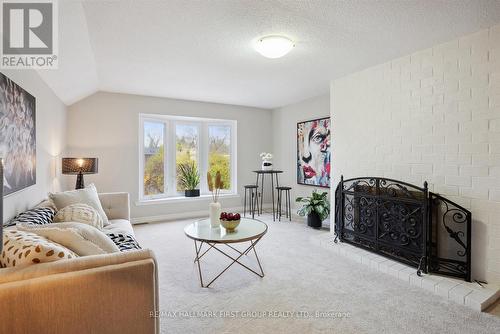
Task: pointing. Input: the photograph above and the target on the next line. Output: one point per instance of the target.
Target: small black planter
(192, 193)
(313, 220)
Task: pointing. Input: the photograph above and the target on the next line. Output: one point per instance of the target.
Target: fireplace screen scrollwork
(406, 223)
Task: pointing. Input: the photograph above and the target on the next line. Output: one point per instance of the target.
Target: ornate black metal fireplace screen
(406, 223)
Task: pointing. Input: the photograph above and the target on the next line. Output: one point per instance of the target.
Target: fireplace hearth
(406, 223)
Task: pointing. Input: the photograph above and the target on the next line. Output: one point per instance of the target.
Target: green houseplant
(316, 207)
(189, 178)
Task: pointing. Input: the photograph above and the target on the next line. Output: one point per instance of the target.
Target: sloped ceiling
(202, 50)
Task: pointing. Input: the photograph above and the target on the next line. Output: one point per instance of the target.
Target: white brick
(495, 101)
(462, 138)
(446, 190)
(429, 282)
(473, 148)
(443, 287)
(433, 139)
(458, 293)
(446, 149)
(485, 182)
(480, 137)
(460, 159)
(473, 171)
(495, 54)
(433, 158)
(475, 82)
(494, 124)
(474, 193)
(421, 148)
(474, 126)
(461, 181)
(494, 171)
(415, 280)
(450, 170)
(423, 169)
(460, 116)
(495, 195)
(494, 136)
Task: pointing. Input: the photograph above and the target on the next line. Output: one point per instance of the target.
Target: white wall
(105, 125)
(433, 115)
(50, 142)
(285, 143)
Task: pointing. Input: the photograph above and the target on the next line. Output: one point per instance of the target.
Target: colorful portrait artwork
(313, 152)
(17, 136)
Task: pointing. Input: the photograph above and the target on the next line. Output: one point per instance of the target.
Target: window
(168, 141)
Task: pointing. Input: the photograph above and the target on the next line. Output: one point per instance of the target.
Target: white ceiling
(202, 50)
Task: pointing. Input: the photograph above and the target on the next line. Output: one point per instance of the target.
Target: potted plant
(316, 207)
(189, 178)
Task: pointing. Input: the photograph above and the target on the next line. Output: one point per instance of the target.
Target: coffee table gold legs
(199, 255)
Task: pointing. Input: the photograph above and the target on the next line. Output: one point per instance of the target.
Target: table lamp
(79, 166)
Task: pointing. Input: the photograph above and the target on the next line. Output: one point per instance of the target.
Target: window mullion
(203, 157)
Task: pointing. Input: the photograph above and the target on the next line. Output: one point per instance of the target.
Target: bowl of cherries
(230, 220)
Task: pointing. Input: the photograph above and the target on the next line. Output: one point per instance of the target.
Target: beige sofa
(111, 293)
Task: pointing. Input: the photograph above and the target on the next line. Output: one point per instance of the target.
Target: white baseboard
(186, 215)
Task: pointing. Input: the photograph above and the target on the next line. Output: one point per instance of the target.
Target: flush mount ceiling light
(273, 46)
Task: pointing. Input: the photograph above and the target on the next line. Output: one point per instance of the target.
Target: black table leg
(261, 192)
(272, 195)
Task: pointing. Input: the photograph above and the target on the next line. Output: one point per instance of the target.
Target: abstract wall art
(17, 136)
(313, 152)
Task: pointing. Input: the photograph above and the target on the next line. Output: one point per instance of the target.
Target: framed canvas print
(313, 152)
(17, 136)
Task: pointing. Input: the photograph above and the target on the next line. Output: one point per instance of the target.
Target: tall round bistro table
(249, 230)
(261, 174)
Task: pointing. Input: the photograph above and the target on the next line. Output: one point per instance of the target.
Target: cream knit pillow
(82, 239)
(79, 213)
(87, 196)
(22, 248)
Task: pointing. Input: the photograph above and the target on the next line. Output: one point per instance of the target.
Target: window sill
(177, 199)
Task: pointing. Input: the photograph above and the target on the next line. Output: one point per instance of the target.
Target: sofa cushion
(119, 226)
(22, 248)
(122, 234)
(81, 238)
(87, 196)
(37, 216)
(80, 213)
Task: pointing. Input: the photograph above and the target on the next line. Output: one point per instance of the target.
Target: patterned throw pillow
(125, 242)
(80, 213)
(24, 248)
(36, 216)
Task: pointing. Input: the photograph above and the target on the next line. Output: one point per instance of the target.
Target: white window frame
(170, 148)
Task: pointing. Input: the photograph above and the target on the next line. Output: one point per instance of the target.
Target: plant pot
(267, 165)
(192, 193)
(313, 220)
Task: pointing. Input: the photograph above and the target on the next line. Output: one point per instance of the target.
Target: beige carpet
(300, 277)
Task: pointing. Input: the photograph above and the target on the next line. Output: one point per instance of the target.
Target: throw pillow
(80, 213)
(87, 196)
(82, 239)
(22, 248)
(125, 242)
(37, 216)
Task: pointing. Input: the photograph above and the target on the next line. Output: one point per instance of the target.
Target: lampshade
(75, 166)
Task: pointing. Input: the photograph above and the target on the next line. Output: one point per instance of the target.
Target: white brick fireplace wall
(430, 116)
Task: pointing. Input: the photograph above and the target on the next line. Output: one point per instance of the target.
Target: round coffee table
(249, 230)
